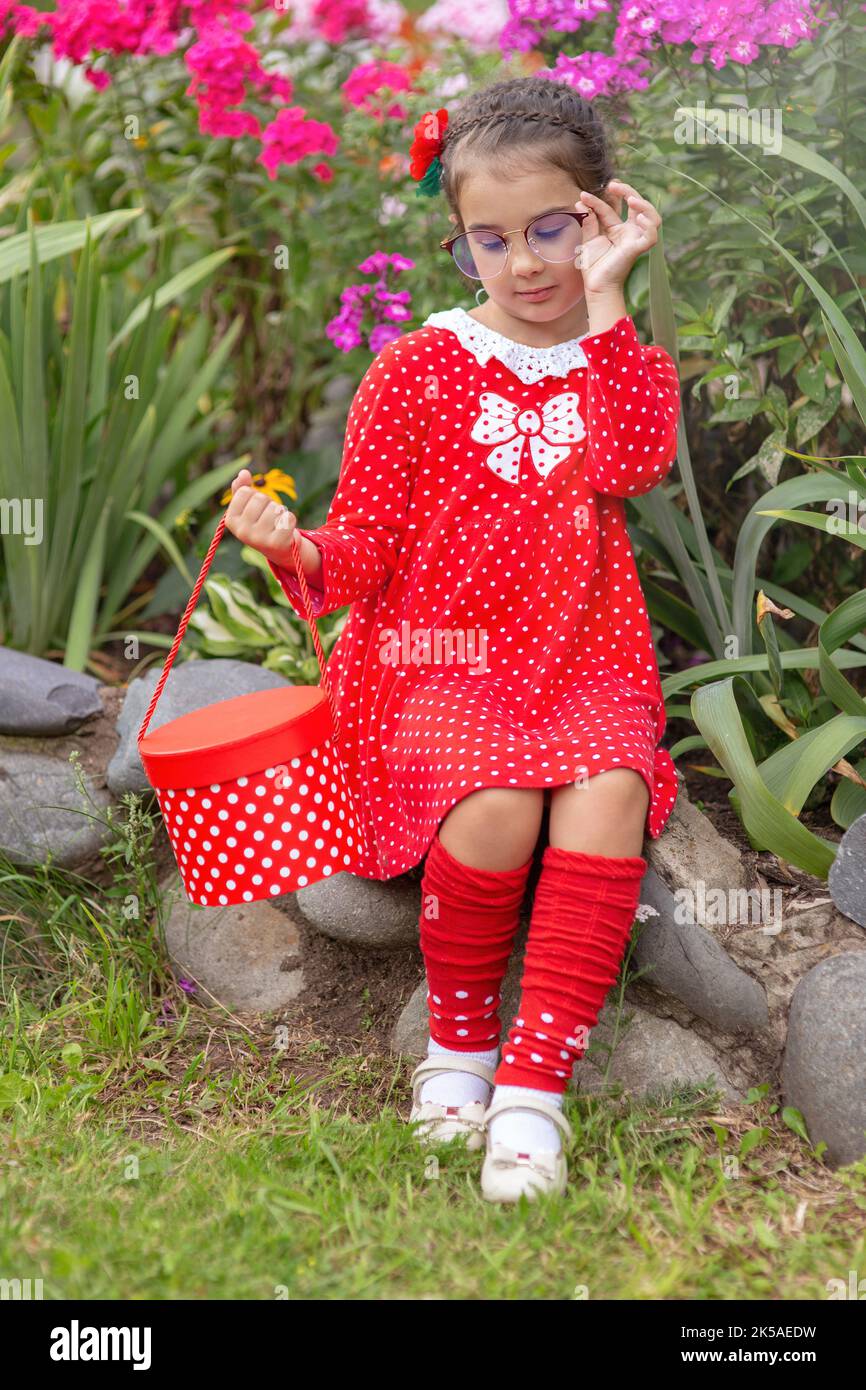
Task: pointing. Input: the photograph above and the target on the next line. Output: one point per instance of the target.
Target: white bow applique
(550, 433)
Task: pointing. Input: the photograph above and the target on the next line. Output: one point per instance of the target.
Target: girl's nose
(523, 259)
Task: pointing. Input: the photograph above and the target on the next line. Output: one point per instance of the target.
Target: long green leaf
(58, 239)
(800, 659)
(185, 279)
(167, 542)
(86, 596)
(769, 825)
(793, 771)
(665, 334)
(795, 492)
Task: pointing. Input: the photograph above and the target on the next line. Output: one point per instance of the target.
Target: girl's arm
(633, 406)
(360, 539)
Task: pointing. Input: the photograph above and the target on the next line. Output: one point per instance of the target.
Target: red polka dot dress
(497, 634)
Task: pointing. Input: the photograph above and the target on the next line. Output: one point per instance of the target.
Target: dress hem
(534, 786)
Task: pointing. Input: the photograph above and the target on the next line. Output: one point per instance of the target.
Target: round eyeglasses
(482, 255)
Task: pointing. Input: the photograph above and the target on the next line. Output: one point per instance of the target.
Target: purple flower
(723, 30)
(388, 307)
(382, 334)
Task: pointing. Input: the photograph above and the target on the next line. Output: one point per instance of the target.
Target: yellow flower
(271, 484)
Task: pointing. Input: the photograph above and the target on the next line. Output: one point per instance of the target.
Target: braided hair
(500, 122)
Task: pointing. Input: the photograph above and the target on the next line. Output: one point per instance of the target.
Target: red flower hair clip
(426, 167)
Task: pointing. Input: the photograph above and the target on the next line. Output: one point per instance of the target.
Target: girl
(497, 654)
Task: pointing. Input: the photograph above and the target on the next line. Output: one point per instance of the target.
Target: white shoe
(509, 1174)
(439, 1123)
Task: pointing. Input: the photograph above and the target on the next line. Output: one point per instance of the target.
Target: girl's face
(528, 287)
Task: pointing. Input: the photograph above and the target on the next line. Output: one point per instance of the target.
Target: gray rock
(43, 813)
(361, 911)
(244, 956)
(648, 1056)
(691, 851)
(192, 685)
(686, 961)
(42, 697)
(847, 877)
(824, 1068)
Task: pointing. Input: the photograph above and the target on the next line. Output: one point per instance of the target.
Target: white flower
(644, 912)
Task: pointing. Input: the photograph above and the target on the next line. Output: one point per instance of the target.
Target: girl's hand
(268, 527)
(610, 246)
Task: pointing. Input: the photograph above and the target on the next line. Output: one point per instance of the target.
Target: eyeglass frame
(447, 243)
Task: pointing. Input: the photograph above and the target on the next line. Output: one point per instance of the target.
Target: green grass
(156, 1149)
(301, 1202)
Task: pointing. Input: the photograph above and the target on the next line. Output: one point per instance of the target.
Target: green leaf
(235, 608)
(769, 824)
(167, 542)
(58, 239)
(768, 459)
(791, 353)
(14, 1088)
(794, 1120)
(81, 621)
(71, 1054)
(751, 1139)
(811, 380)
(812, 417)
(184, 280)
(741, 409)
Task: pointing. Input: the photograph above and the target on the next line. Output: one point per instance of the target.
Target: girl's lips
(533, 294)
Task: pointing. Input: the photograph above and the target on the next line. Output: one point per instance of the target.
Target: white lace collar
(529, 364)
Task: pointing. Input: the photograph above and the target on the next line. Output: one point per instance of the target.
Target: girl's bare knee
(494, 828)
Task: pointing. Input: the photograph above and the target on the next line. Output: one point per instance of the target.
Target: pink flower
(338, 20)
(479, 23)
(382, 334)
(98, 78)
(724, 30)
(323, 172)
(389, 308)
(365, 81)
(291, 137)
(223, 67)
(596, 74)
(28, 21)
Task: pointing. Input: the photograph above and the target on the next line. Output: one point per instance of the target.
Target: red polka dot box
(252, 790)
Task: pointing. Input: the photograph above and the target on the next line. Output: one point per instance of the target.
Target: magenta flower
(596, 74)
(338, 20)
(382, 334)
(291, 136)
(389, 308)
(721, 30)
(366, 85)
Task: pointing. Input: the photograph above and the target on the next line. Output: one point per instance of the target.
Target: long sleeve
(633, 406)
(361, 537)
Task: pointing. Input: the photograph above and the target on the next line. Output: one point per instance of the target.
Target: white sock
(525, 1130)
(457, 1087)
